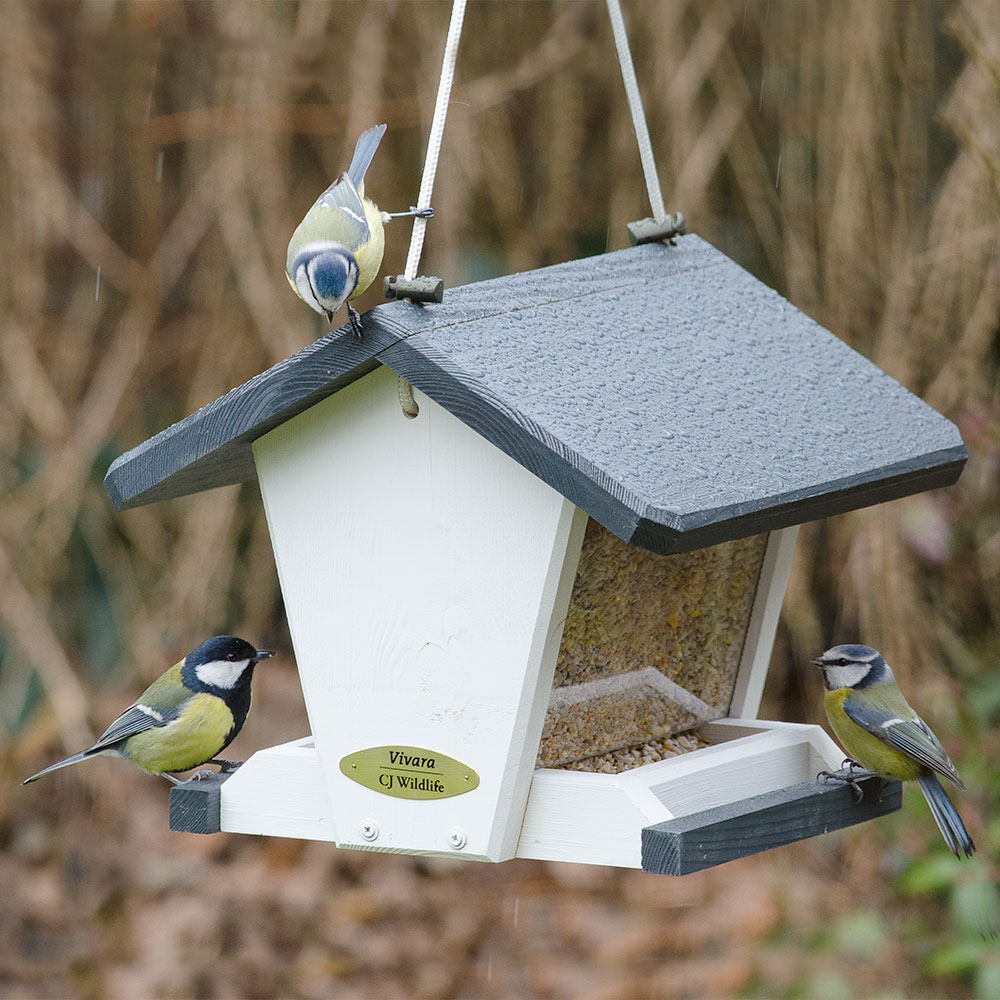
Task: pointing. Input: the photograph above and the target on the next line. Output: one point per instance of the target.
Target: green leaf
(959, 959)
(987, 978)
(975, 908)
(929, 875)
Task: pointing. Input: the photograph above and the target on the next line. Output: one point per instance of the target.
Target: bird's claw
(202, 775)
(356, 328)
(225, 766)
(848, 778)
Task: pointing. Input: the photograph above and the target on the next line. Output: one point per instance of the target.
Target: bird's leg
(225, 766)
(856, 768)
(848, 778)
(170, 778)
(356, 326)
(856, 771)
(413, 213)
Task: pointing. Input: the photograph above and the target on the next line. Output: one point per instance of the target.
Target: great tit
(877, 727)
(186, 716)
(336, 250)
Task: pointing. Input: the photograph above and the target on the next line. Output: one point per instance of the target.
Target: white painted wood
(738, 770)
(425, 576)
(279, 792)
(570, 815)
(763, 623)
(554, 604)
(724, 730)
(583, 817)
(596, 818)
(824, 753)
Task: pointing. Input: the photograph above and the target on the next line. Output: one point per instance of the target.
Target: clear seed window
(650, 650)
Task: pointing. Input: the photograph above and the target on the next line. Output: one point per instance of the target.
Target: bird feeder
(536, 620)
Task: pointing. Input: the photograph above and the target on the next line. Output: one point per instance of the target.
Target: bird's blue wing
(912, 736)
(347, 224)
(135, 719)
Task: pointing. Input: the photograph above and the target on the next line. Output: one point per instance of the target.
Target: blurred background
(154, 158)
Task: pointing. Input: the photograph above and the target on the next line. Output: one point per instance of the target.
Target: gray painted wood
(663, 389)
(195, 806)
(715, 836)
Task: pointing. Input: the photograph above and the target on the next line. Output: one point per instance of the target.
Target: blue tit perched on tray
(877, 727)
(336, 250)
(187, 716)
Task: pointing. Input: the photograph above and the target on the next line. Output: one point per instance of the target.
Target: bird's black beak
(263, 654)
(818, 662)
(329, 316)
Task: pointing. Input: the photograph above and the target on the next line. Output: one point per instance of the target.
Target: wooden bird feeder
(536, 620)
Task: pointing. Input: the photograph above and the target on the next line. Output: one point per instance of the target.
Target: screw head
(457, 838)
(369, 829)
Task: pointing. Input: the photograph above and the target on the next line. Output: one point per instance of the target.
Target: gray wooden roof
(663, 389)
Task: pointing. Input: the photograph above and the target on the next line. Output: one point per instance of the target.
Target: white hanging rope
(406, 401)
(437, 133)
(638, 115)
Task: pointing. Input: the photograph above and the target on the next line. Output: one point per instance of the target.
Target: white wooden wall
(425, 577)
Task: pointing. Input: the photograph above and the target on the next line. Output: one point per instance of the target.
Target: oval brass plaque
(409, 772)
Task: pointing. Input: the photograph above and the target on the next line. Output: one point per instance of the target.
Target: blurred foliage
(155, 156)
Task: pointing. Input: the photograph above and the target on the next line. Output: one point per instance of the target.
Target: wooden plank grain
(195, 805)
(714, 836)
(211, 447)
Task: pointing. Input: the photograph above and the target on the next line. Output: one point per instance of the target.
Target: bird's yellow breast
(865, 747)
(196, 735)
(369, 257)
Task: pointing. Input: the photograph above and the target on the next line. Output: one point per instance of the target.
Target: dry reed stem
(29, 627)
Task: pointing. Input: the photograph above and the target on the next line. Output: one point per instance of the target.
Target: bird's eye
(231, 656)
(842, 662)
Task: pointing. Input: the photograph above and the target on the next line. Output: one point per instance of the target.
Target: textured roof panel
(664, 389)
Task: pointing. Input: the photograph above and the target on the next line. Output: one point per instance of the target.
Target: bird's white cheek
(846, 676)
(305, 289)
(221, 673)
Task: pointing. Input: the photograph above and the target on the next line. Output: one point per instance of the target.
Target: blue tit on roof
(336, 250)
(877, 727)
(187, 716)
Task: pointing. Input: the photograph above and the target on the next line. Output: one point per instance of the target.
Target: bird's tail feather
(65, 762)
(946, 816)
(363, 152)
